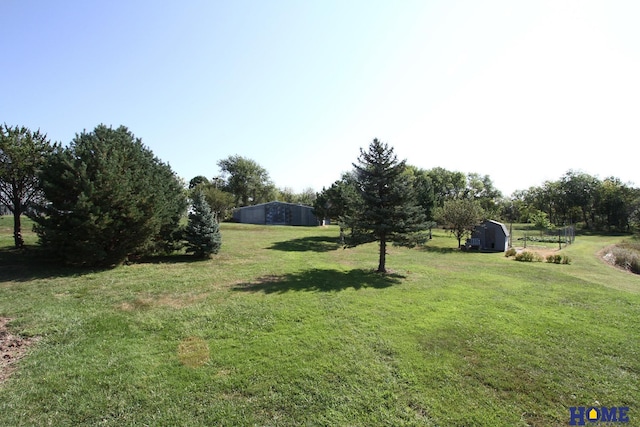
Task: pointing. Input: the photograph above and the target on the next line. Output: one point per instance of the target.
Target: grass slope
(283, 327)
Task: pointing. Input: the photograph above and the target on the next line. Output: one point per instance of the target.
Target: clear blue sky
(520, 90)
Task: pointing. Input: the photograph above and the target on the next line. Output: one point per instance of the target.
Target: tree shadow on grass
(321, 280)
(29, 263)
(177, 258)
(304, 244)
(440, 249)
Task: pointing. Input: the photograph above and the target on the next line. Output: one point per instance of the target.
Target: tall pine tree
(110, 199)
(390, 212)
(202, 233)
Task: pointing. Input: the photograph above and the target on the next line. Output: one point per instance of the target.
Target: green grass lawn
(284, 327)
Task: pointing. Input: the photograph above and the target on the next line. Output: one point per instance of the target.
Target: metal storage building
(276, 213)
(490, 235)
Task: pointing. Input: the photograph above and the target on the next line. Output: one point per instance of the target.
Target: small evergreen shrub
(566, 259)
(202, 232)
(510, 252)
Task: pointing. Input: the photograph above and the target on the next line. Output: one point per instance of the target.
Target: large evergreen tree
(202, 233)
(390, 212)
(109, 199)
(22, 155)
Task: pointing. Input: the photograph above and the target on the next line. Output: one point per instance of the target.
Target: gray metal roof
(276, 201)
(501, 225)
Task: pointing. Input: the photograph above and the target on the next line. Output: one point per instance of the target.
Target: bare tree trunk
(459, 235)
(17, 227)
(584, 217)
(383, 255)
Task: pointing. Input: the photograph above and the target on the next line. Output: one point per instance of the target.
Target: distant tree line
(577, 197)
(598, 204)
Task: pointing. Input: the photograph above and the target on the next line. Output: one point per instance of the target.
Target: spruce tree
(202, 233)
(390, 212)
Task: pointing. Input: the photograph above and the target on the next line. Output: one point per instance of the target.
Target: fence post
(559, 241)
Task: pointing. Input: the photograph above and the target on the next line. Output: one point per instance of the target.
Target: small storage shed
(276, 213)
(490, 235)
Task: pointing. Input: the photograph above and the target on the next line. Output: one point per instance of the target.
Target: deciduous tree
(423, 188)
(446, 185)
(198, 180)
(247, 181)
(342, 201)
(579, 190)
(221, 202)
(460, 216)
(22, 154)
(541, 221)
(481, 189)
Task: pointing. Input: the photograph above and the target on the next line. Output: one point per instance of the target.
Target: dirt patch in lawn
(542, 251)
(12, 348)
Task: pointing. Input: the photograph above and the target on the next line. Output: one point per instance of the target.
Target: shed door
(491, 238)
